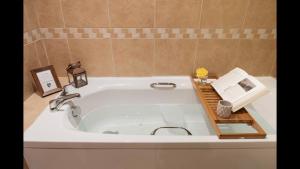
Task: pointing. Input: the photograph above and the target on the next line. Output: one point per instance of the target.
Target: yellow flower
(201, 72)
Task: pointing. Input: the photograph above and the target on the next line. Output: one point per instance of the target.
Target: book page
(251, 95)
(229, 79)
(239, 88)
(249, 98)
(237, 91)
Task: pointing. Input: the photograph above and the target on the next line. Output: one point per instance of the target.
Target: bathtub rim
(31, 141)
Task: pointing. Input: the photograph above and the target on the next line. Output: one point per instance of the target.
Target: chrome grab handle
(154, 131)
(156, 85)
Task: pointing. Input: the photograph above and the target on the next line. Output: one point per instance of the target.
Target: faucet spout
(55, 103)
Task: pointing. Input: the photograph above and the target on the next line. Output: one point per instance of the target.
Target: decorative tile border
(147, 33)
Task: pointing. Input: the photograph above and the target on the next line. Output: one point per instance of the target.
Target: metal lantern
(76, 75)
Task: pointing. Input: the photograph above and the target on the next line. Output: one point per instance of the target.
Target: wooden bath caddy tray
(209, 98)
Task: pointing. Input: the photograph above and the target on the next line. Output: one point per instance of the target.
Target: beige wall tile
(83, 13)
(30, 62)
(41, 53)
(133, 57)
(58, 55)
(261, 14)
(256, 56)
(49, 13)
(274, 69)
(95, 56)
(25, 20)
(177, 13)
(218, 56)
(174, 57)
(274, 58)
(223, 13)
(30, 18)
(131, 13)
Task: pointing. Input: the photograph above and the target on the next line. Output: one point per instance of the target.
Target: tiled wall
(34, 53)
(151, 37)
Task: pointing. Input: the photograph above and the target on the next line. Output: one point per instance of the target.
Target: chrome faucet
(55, 104)
(64, 91)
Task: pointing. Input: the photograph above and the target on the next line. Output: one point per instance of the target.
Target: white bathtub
(114, 127)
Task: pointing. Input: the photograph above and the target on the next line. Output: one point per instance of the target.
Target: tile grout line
(36, 53)
(45, 49)
(37, 17)
(154, 19)
(64, 23)
(35, 41)
(242, 28)
(197, 40)
(195, 55)
(154, 41)
(245, 15)
(110, 39)
(200, 14)
(108, 13)
(40, 39)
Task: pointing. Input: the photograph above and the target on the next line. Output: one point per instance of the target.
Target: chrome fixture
(75, 110)
(55, 104)
(154, 131)
(163, 85)
(64, 91)
(110, 132)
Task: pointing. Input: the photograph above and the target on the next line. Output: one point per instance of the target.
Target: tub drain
(110, 132)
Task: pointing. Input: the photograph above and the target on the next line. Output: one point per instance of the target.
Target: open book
(239, 88)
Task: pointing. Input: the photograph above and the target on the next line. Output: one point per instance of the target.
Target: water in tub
(143, 119)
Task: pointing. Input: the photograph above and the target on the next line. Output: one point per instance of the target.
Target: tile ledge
(35, 104)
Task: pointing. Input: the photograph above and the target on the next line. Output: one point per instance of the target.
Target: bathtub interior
(141, 111)
(143, 119)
